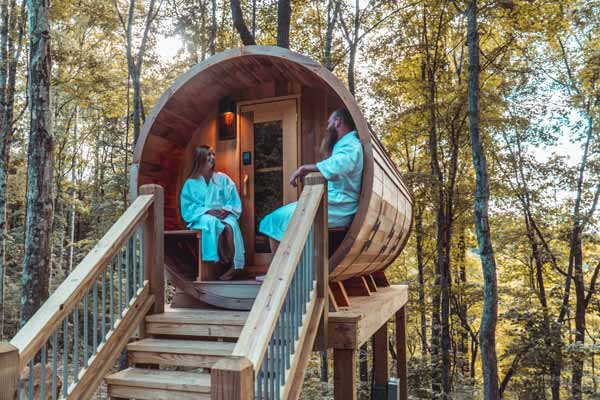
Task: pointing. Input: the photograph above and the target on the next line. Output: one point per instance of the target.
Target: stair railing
(289, 313)
(78, 334)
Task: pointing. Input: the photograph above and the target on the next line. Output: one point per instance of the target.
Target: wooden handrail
(263, 316)
(39, 328)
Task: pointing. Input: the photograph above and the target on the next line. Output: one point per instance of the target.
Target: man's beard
(329, 141)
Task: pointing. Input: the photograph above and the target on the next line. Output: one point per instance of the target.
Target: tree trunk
(284, 12)
(333, 9)
(36, 261)
(213, 28)
(240, 24)
(8, 71)
(73, 194)
(487, 333)
(421, 267)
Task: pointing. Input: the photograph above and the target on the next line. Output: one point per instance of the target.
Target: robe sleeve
(192, 203)
(341, 162)
(232, 202)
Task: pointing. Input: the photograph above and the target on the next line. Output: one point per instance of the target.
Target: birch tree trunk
(36, 261)
(487, 333)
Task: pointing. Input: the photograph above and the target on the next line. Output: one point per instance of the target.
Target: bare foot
(228, 275)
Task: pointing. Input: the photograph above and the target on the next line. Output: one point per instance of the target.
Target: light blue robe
(198, 197)
(343, 171)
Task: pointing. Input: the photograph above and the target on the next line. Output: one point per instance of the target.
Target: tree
(240, 24)
(38, 234)
(487, 334)
(284, 13)
(13, 19)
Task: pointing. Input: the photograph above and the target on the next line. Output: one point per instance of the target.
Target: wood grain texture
(108, 354)
(401, 348)
(181, 119)
(380, 357)
(9, 371)
(62, 301)
(232, 379)
(368, 314)
(153, 246)
(265, 311)
(344, 374)
(339, 293)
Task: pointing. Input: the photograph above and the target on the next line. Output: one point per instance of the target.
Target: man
(342, 170)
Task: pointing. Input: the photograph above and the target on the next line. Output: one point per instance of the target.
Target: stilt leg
(344, 374)
(401, 347)
(380, 363)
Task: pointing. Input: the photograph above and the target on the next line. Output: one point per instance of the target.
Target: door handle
(245, 186)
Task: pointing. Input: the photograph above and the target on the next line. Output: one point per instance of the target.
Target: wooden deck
(349, 328)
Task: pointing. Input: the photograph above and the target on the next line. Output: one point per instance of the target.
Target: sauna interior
(264, 110)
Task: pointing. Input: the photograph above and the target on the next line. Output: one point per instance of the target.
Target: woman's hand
(218, 213)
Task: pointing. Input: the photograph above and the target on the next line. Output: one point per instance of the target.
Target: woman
(210, 203)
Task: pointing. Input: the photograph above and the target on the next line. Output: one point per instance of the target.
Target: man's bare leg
(274, 245)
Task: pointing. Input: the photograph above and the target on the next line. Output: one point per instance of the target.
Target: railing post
(154, 268)
(321, 259)
(9, 371)
(232, 378)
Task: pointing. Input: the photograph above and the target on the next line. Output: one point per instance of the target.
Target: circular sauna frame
(370, 244)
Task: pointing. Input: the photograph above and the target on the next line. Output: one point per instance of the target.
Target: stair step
(200, 323)
(183, 353)
(154, 384)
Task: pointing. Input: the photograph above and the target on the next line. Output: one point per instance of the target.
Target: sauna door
(268, 132)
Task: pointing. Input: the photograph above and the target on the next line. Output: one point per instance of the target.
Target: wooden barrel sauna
(280, 101)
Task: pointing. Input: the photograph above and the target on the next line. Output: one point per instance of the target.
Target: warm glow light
(228, 118)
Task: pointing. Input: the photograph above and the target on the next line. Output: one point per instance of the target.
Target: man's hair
(199, 159)
(346, 117)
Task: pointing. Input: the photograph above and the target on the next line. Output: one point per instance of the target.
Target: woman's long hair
(200, 158)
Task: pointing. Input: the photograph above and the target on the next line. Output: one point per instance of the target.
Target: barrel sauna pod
(281, 101)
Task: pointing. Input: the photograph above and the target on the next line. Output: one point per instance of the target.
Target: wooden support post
(344, 374)
(357, 286)
(154, 268)
(380, 363)
(232, 378)
(321, 259)
(9, 371)
(380, 279)
(401, 348)
(370, 283)
(339, 293)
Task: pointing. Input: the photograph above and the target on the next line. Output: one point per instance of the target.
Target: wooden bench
(203, 274)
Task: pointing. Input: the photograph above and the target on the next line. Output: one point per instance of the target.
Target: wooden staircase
(185, 343)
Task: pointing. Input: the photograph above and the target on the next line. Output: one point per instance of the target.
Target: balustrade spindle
(131, 244)
(142, 272)
(85, 330)
(75, 343)
(65, 385)
(127, 283)
(54, 363)
(103, 305)
(30, 381)
(111, 294)
(95, 316)
(43, 372)
(120, 281)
